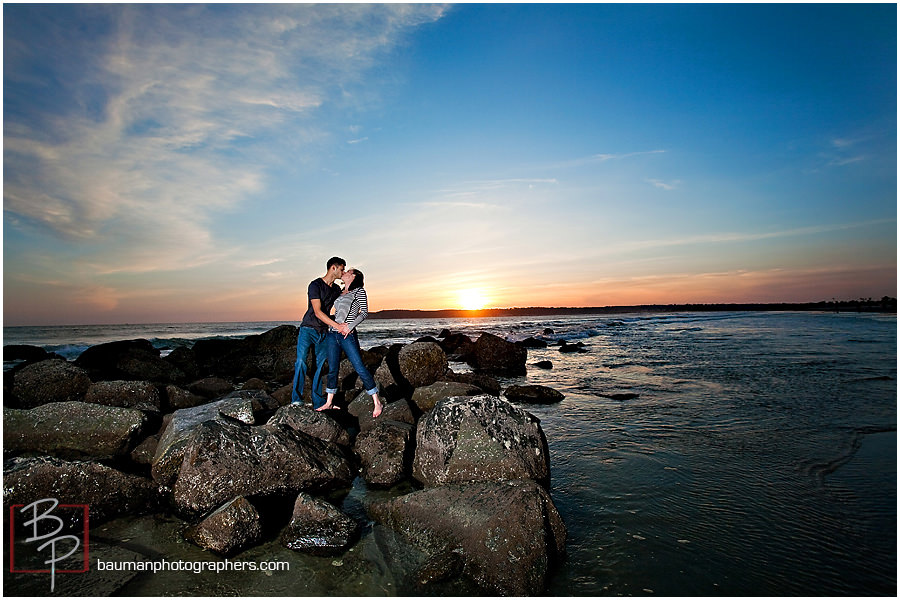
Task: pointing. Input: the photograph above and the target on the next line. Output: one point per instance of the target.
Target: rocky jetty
(207, 435)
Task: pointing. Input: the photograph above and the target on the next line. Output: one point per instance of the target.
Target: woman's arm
(320, 314)
(361, 302)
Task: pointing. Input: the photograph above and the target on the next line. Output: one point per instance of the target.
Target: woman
(351, 308)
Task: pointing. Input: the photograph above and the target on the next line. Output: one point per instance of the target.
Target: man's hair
(335, 260)
(357, 279)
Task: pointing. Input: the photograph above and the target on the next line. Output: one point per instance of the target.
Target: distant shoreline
(885, 305)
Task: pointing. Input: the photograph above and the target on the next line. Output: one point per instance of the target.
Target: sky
(179, 163)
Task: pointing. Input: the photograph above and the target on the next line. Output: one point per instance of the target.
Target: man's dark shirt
(318, 289)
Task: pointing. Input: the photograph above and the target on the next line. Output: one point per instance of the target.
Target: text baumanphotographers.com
(195, 566)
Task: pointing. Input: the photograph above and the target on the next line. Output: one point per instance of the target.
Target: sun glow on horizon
(472, 299)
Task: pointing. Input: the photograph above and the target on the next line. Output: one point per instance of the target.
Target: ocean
(752, 454)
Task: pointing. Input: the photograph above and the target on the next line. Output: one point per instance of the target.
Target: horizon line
(473, 313)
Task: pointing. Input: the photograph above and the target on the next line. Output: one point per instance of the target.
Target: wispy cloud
(162, 129)
(600, 158)
(664, 185)
(752, 236)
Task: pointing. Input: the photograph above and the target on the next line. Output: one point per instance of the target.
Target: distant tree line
(884, 305)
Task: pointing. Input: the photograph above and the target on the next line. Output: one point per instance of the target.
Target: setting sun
(472, 299)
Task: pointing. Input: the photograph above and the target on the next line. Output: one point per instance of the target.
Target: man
(321, 294)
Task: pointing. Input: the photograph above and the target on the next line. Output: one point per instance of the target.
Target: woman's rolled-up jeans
(350, 346)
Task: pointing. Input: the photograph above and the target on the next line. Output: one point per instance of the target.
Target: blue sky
(202, 162)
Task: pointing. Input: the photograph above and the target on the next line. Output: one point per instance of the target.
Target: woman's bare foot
(325, 406)
(378, 408)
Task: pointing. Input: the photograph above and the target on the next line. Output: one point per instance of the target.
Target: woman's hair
(358, 279)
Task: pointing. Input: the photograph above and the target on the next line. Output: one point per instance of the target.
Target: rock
(426, 397)
(258, 401)
(440, 567)
(495, 355)
(547, 331)
(255, 384)
(50, 381)
(426, 338)
(391, 382)
(140, 395)
(304, 418)
(621, 396)
(444, 333)
(486, 382)
(387, 384)
(129, 360)
(532, 343)
(543, 364)
(145, 451)
(567, 348)
(283, 395)
(185, 361)
(24, 352)
(182, 424)
(319, 528)
(508, 535)
(232, 527)
(535, 394)
(458, 344)
(73, 430)
(363, 405)
(481, 438)
(211, 387)
(422, 363)
(385, 451)
(181, 398)
(108, 493)
(223, 459)
(269, 356)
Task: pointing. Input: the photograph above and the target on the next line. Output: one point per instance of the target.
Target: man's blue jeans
(306, 338)
(350, 346)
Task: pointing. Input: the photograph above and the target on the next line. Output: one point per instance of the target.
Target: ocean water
(756, 456)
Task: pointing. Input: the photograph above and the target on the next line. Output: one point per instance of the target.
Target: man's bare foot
(377, 410)
(325, 406)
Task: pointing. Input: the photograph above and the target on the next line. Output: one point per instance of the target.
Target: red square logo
(48, 537)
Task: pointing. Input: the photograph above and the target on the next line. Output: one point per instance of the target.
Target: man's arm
(320, 314)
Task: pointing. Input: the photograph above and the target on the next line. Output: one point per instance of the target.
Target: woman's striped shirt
(351, 308)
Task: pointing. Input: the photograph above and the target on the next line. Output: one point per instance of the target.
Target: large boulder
(269, 356)
(184, 360)
(485, 381)
(363, 406)
(318, 424)
(422, 363)
(210, 387)
(181, 398)
(319, 528)
(426, 397)
(458, 345)
(128, 360)
(107, 492)
(24, 352)
(50, 381)
(224, 459)
(182, 424)
(507, 535)
(533, 394)
(232, 527)
(73, 430)
(385, 452)
(496, 355)
(480, 438)
(140, 395)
